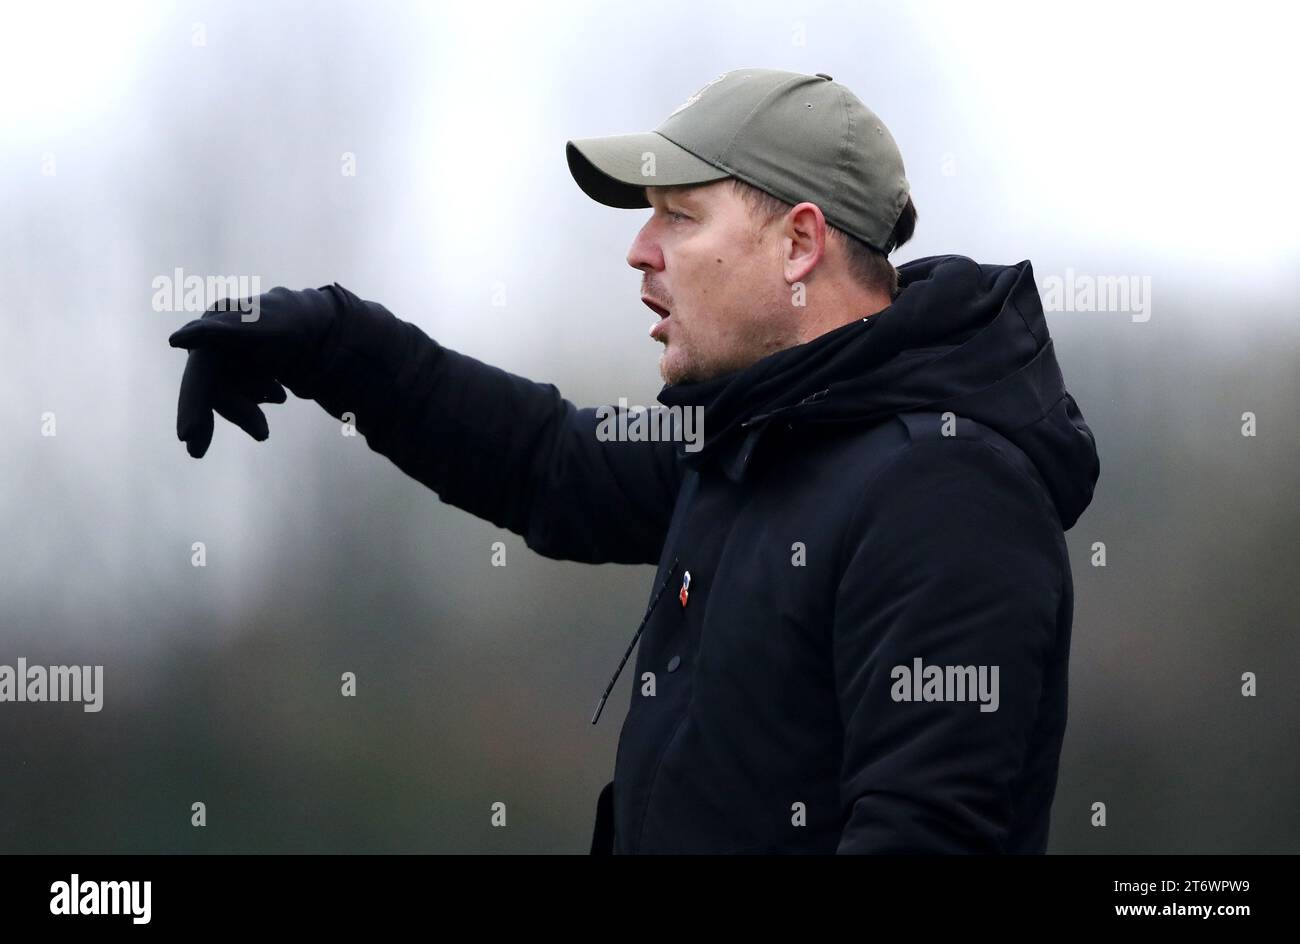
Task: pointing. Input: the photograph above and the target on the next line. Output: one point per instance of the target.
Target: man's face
(714, 281)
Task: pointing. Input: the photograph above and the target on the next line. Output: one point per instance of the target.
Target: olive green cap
(797, 137)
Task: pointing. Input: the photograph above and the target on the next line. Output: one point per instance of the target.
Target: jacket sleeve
(494, 444)
(954, 557)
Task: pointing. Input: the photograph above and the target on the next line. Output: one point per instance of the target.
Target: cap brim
(613, 170)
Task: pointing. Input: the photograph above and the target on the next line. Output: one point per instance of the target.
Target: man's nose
(645, 253)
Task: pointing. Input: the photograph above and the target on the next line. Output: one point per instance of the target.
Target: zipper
(811, 398)
(654, 601)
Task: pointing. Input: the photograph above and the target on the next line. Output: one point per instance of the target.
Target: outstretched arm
(497, 445)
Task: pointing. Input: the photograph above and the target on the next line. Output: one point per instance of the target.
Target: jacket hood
(959, 336)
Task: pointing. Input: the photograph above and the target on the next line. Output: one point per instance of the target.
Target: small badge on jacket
(684, 595)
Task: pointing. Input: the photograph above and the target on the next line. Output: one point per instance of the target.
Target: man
(858, 635)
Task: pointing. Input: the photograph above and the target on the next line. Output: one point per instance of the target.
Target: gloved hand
(234, 364)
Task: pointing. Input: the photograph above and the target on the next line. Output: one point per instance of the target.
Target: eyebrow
(679, 193)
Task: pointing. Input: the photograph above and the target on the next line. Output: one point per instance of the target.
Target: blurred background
(1111, 140)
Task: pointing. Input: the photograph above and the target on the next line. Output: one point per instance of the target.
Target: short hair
(869, 267)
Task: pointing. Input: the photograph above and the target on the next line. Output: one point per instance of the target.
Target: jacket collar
(734, 452)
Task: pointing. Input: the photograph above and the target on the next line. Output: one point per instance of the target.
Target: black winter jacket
(872, 652)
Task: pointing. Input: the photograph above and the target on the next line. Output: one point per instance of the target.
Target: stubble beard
(685, 367)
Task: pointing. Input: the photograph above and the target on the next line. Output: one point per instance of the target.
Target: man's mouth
(658, 328)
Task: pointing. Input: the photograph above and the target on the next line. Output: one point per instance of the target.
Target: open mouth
(658, 330)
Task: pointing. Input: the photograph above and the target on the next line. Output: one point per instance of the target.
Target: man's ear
(803, 241)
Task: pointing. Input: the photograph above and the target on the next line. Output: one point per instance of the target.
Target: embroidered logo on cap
(696, 97)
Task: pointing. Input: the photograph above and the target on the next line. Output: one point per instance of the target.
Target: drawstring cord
(632, 645)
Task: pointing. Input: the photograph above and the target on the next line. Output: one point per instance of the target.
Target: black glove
(234, 364)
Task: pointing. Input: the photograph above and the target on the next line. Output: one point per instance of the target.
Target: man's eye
(675, 216)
